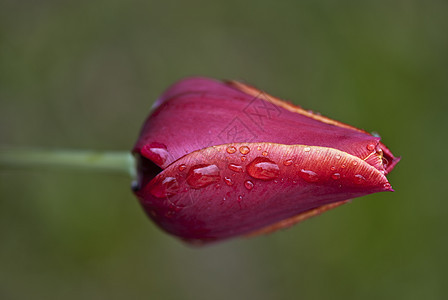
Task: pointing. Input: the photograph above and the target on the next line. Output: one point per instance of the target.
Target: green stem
(110, 162)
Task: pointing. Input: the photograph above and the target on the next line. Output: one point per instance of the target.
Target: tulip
(217, 160)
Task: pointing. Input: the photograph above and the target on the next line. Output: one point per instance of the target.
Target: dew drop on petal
(173, 211)
(343, 166)
(235, 168)
(338, 156)
(155, 152)
(228, 181)
(375, 134)
(249, 184)
(359, 179)
(165, 188)
(371, 147)
(169, 214)
(355, 163)
(135, 186)
(200, 176)
(182, 167)
(231, 150)
(309, 176)
(333, 168)
(264, 153)
(240, 198)
(244, 150)
(259, 148)
(336, 176)
(385, 162)
(243, 158)
(387, 185)
(263, 168)
(306, 149)
(287, 162)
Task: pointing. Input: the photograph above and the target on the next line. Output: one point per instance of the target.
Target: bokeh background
(84, 74)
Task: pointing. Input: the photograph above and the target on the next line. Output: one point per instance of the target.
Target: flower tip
(388, 188)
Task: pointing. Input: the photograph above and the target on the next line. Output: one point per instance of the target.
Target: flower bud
(222, 159)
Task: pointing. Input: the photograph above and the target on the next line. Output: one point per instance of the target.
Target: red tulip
(223, 159)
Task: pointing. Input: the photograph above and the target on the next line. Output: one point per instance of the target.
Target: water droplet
(165, 188)
(359, 179)
(371, 147)
(264, 153)
(343, 166)
(263, 168)
(182, 167)
(375, 134)
(385, 162)
(287, 162)
(243, 158)
(259, 148)
(235, 167)
(228, 181)
(155, 152)
(333, 168)
(170, 214)
(306, 149)
(276, 181)
(338, 156)
(336, 176)
(240, 198)
(309, 175)
(249, 184)
(200, 176)
(135, 186)
(244, 150)
(231, 150)
(387, 185)
(355, 163)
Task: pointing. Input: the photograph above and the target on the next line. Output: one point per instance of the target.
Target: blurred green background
(83, 75)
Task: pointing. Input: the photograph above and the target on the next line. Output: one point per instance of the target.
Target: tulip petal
(387, 159)
(296, 219)
(198, 112)
(238, 188)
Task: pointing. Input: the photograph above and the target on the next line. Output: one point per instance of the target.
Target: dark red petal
(296, 219)
(275, 183)
(196, 113)
(387, 158)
